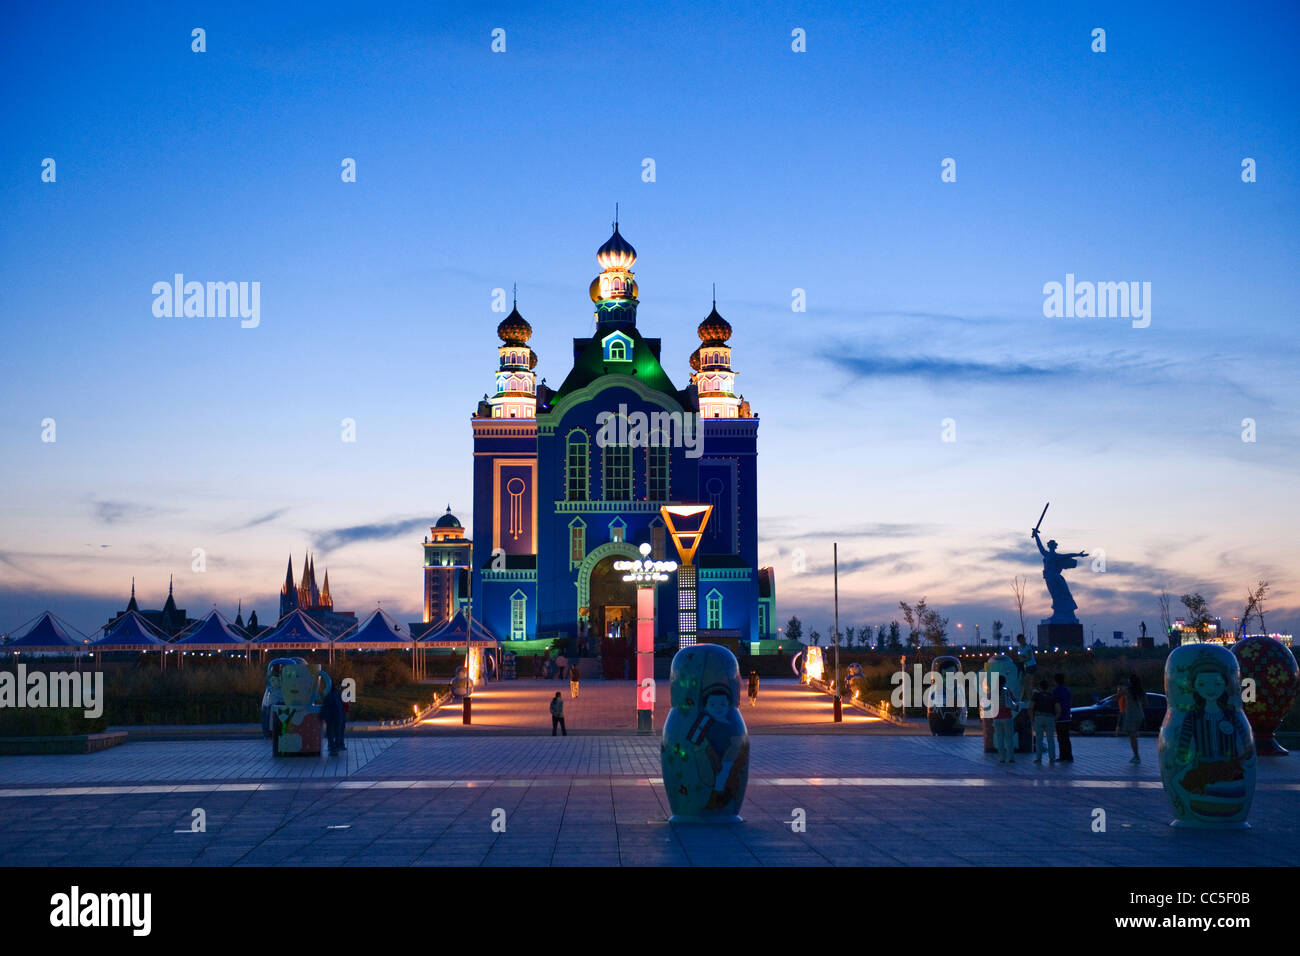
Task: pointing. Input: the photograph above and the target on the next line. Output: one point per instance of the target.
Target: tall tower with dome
(557, 504)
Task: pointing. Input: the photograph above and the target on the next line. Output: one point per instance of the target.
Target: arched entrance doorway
(613, 617)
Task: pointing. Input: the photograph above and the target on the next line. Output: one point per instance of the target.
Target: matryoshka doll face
(1209, 685)
(717, 706)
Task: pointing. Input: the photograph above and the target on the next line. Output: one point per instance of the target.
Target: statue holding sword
(1054, 562)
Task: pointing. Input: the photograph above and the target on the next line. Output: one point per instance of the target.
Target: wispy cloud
(116, 512)
(261, 519)
(379, 531)
(945, 369)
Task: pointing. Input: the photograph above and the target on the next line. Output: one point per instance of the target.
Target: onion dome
(695, 360)
(714, 330)
(514, 330)
(616, 253)
(448, 520)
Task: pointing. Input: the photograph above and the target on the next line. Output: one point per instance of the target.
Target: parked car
(1103, 716)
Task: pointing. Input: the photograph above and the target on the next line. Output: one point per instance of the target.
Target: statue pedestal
(1059, 635)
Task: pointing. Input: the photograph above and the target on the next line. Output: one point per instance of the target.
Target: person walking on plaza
(573, 681)
(1046, 710)
(1062, 695)
(557, 715)
(561, 662)
(753, 688)
(1003, 735)
(1132, 713)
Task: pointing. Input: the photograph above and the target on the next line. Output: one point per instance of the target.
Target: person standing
(331, 713)
(573, 681)
(1046, 710)
(753, 688)
(1003, 736)
(1133, 703)
(557, 715)
(1063, 718)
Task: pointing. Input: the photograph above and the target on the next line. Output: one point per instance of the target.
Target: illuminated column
(686, 525)
(645, 574)
(645, 656)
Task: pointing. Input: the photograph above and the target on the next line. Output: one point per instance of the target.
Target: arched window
(518, 616)
(617, 351)
(575, 488)
(715, 610)
(577, 542)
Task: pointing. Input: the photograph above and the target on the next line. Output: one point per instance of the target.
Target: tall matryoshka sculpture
(705, 749)
(1005, 668)
(1271, 665)
(296, 719)
(1207, 752)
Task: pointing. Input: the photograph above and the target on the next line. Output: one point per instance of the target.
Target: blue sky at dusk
(775, 171)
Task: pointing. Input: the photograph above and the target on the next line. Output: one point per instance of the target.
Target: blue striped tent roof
(46, 632)
(212, 630)
(130, 629)
(453, 632)
(294, 628)
(376, 629)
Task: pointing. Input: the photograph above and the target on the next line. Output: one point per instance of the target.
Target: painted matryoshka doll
(1271, 665)
(705, 748)
(303, 689)
(1207, 751)
(1005, 668)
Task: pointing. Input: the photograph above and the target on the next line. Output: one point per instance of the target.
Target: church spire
(131, 605)
(325, 599)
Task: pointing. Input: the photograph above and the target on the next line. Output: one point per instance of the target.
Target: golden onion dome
(714, 330)
(616, 253)
(695, 360)
(514, 330)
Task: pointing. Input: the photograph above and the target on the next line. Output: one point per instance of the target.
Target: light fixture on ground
(645, 574)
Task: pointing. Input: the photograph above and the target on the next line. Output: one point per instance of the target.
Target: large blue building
(568, 481)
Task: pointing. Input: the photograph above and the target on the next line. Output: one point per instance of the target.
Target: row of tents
(294, 631)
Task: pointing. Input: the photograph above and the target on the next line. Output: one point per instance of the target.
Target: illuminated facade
(446, 569)
(569, 481)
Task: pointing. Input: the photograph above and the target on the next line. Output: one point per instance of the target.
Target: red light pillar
(645, 657)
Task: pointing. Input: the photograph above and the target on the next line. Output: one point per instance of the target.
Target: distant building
(446, 570)
(169, 619)
(1183, 633)
(314, 602)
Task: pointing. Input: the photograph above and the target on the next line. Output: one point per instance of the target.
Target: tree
(1166, 615)
(814, 638)
(1018, 584)
(923, 621)
(997, 633)
(1254, 608)
(895, 633)
(849, 634)
(793, 629)
(1198, 614)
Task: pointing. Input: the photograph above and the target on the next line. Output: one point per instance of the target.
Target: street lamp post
(835, 552)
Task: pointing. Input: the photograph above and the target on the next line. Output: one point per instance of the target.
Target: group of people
(1048, 708)
(548, 668)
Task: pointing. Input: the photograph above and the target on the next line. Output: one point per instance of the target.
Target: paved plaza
(868, 799)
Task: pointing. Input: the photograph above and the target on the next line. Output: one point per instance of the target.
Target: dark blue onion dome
(714, 330)
(616, 253)
(448, 520)
(514, 330)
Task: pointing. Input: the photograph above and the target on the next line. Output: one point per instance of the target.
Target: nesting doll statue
(705, 749)
(302, 689)
(1009, 677)
(1207, 751)
(1271, 666)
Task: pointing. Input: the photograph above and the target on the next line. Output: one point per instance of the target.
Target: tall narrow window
(657, 459)
(715, 610)
(518, 616)
(577, 542)
(576, 484)
(616, 472)
(762, 620)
